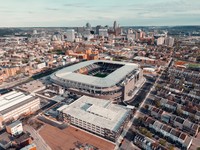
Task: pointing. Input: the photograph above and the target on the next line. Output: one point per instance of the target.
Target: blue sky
(25, 13)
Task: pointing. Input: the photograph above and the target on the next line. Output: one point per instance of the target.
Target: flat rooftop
(96, 111)
(31, 86)
(5, 138)
(28, 147)
(13, 124)
(12, 99)
(143, 58)
(112, 79)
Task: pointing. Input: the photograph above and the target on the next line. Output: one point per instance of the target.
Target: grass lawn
(193, 65)
(100, 75)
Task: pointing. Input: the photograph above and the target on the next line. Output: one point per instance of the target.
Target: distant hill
(8, 31)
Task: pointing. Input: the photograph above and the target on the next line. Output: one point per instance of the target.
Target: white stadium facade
(104, 79)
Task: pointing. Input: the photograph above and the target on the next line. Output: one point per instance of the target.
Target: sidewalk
(119, 140)
(121, 137)
(37, 139)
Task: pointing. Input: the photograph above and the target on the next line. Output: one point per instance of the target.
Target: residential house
(165, 130)
(178, 122)
(165, 117)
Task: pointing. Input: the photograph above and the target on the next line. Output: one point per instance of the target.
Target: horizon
(48, 13)
(104, 25)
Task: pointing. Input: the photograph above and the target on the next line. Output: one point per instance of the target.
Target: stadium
(100, 78)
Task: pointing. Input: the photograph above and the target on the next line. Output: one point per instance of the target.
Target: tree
(192, 118)
(139, 121)
(171, 147)
(158, 87)
(38, 60)
(157, 103)
(18, 72)
(149, 134)
(146, 107)
(179, 112)
(143, 130)
(162, 142)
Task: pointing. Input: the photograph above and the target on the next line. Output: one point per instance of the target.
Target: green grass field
(100, 75)
(193, 65)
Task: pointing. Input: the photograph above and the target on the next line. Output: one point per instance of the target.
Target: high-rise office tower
(130, 34)
(160, 40)
(88, 25)
(70, 33)
(97, 29)
(34, 32)
(103, 32)
(115, 25)
(130, 31)
(169, 41)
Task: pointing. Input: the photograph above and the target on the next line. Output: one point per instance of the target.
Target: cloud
(30, 12)
(127, 12)
(77, 5)
(166, 9)
(7, 11)
(53, 9)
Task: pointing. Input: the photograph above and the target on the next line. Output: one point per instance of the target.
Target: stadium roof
(108, 81)
(96, 111)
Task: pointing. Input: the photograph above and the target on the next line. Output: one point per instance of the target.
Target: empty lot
(65, 139)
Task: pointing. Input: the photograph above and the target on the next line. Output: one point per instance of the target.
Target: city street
(143, 94)
(127, 143)
(34, 77)
(195, 143)
(38, 140)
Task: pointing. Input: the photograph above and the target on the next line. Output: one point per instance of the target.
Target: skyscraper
(103, 32)
(169, 41)
(130, 34)
(130, 31)
(70, 35)
(115, 25)
(97, 29)
(88, 25)
(160, 40)
(34, 32)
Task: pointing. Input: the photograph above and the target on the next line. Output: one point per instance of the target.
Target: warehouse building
(14, 104)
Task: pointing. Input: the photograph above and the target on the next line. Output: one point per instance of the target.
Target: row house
(190, 127)
(160, 114)
(178, 122)
(165, 117)
(167, 131)
(185, 125)
(169, 104)
(188, 110)
(156, 112)
(146, 143)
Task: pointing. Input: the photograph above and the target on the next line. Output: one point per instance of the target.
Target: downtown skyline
(48, 13)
